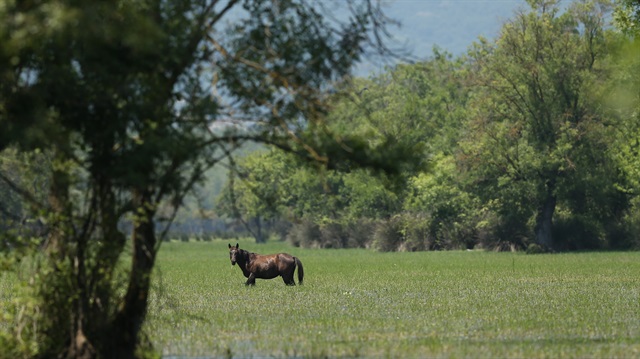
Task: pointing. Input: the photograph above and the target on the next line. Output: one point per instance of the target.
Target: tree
(255, 191)
(122, 96)
(420, 105)
(627, 17)
(622, 96)
(274, 185)
(538, 140)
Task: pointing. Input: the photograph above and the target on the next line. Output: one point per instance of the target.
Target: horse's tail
(300, 270)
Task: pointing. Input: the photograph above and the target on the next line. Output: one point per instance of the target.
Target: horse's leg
(288, 280)
(251, 280)
(287, 277)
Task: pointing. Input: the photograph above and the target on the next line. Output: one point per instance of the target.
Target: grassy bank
(363, 303)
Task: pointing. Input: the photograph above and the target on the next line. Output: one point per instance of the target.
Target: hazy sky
(451, 24)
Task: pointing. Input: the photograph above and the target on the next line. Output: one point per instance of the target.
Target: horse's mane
(245, 254)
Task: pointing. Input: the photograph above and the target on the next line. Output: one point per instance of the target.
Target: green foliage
(24, 181)
(538, 141)
(406, 232)
(532, 138)
(112, 114)
(366, 196)
(332, 234)
(419, 106)
(19, 322)
(534, 248)
(627, 17)
(622, 95)
(121, 96)
(305, 234)
(451, 212)
(273, 184)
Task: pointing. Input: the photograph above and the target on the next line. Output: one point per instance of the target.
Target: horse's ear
(237, 246)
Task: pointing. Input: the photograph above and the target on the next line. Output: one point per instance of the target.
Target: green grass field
(359, 303)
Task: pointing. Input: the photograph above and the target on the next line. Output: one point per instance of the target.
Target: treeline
(529, 142)
(111, 114)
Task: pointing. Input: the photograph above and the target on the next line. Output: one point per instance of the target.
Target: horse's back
(267, 266)
(286, 258)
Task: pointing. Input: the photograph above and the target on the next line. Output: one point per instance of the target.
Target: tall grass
(359, 303)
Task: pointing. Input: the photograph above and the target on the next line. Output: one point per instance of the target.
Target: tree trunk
(130, 317)
(80, 346)
(66, 311)
(56, 246)
(544, 218)
(260, 235)
(99, 274)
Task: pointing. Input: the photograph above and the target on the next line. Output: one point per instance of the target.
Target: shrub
(577, 232)
(388, 235)
(625, 234)
(333, 235)
(360, 233)
(305, 234)
(534, 248)
(417, 234)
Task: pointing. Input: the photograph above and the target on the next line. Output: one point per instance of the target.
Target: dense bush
(356, 234)
(420, 232)
(388, 235)
(624, 233)
(305, 234)
(360, 233)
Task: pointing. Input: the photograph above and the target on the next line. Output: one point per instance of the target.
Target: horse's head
(233, 253)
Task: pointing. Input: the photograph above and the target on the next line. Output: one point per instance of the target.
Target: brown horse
(266, 266)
